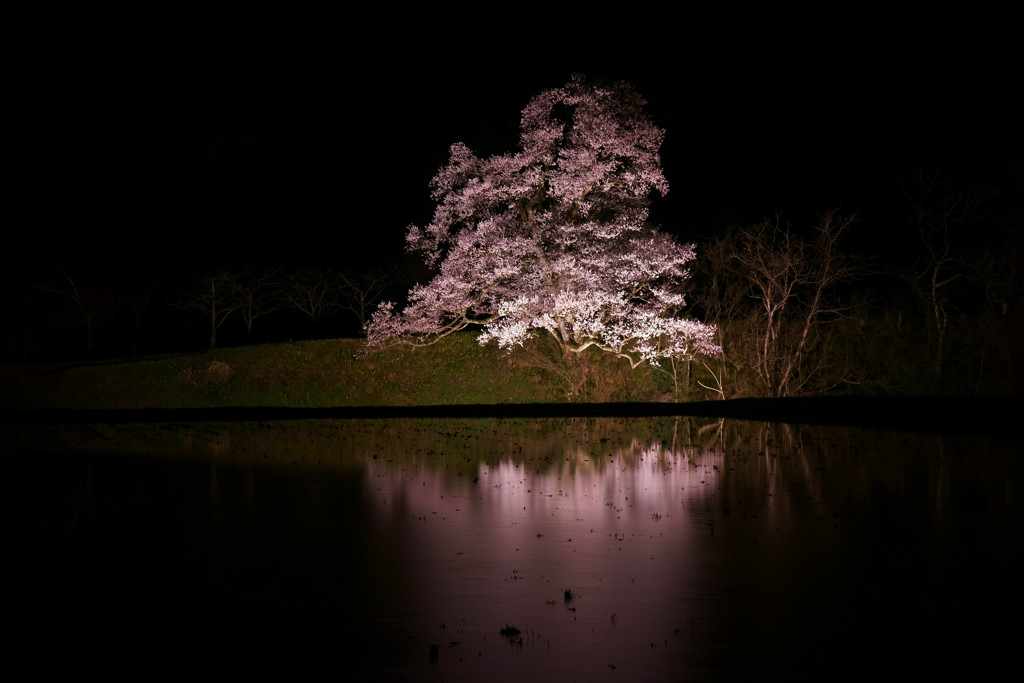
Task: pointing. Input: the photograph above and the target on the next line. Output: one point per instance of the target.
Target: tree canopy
(555, 237)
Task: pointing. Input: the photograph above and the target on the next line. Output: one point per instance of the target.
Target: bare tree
(360, 292)
(137, 295)
(782, 327)
(91, 301)
(938, 213)
(212, 294)
(313, 291)
(259, 292)
(723, 299)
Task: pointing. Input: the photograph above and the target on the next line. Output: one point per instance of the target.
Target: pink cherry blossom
(555, 238)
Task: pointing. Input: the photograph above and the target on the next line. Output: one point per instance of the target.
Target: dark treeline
(928, 303)
(804, 307)
(87, 311)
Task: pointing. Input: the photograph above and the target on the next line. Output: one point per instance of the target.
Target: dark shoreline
(992, 415)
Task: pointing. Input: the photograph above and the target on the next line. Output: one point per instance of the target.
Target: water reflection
(568, 549)
(616, 518)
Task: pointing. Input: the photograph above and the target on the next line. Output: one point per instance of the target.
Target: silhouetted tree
(91, 300)
(136, 290)
(361, 291)
(260, 292)
(212, 294)
(939, 213)
(314, 291)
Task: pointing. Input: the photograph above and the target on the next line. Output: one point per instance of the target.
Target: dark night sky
(265, 153)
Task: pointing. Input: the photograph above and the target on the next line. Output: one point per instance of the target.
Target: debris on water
(569, 595)
(513, 634)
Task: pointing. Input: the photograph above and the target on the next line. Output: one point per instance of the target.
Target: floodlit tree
(555, 238)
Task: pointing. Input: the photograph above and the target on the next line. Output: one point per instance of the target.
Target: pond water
(641, 549)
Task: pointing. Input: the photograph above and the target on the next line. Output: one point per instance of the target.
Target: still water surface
(570, 549)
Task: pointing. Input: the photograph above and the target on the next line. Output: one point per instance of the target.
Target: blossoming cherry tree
(555, 239)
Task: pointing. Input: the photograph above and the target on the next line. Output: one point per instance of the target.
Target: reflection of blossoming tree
(555, 237)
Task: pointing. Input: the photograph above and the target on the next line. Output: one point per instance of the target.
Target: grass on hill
(323, 373)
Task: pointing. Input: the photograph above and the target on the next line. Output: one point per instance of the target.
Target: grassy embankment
(456, 371)
(325, 373)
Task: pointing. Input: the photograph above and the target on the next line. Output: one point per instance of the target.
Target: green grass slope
(324, 373)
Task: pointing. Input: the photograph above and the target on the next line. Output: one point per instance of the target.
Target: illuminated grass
(323, 373)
